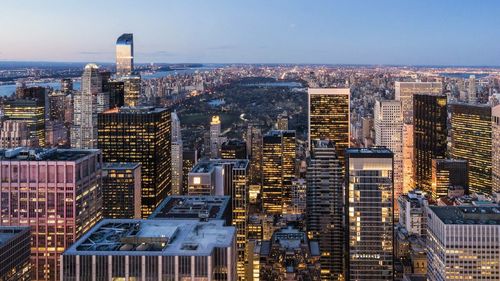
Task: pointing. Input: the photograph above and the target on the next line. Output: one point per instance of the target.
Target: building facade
(125, 54)
(215, 143)
(15, 253)
(495, 153)
(448, 173)
(406, 90)
(121, 190)
(177, 147)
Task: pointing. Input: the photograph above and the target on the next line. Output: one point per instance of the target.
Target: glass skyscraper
(125, 54)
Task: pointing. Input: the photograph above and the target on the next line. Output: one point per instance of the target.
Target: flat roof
(44, 154)
(120, 166)
(206, 166)
(9, 232)
(135, 110)
(363, 152)
(191, 207)
(132, 237)
(467, 214)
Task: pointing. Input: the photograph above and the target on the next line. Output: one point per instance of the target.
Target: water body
(463, 75)
(7, 90)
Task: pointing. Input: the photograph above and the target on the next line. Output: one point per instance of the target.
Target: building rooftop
(467, 215)
(135, 110)
(206, 166)
(44, 154)
(120, 166)
(9, 232)
(192, 207)
(133, 237)
(279, 133)
(364, 152)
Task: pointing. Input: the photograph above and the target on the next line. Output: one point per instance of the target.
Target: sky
(395, 32)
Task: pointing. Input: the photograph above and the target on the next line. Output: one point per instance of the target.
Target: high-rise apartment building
(406, 90)
(278, 170)
(215, 143)
(462, 243)
(430, 135)
(495, 152)
(64, 191)
(325, 207)
(329, 117)
(254, 150)
(408, 158)
(177, 148)
(84, 130)
(121, 190)
(471, 140)
(388, 123)
(140, 135)
(128, 249)
(369, 214)
(15, 253)
(448, 173)
(125, 54)
(15, 133)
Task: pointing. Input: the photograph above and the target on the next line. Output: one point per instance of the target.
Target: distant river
(462, 75)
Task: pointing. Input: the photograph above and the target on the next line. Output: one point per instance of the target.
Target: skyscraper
(215, 131)
(495, 153)
(408, 158)
(64, 199)
(448, 173)
(370, 214)
(471, 140)
(16, 133)
(430, 133)
(278, 170)
(116, 93)
(140, 135)
(233, 149)
(406, 90)
(329, 117)
(325, 207)
(125, 54)
(121, 190)
(472, 90)
(15, 253)
(282, 121)
(388, 123)
(177, 148)
(84, 130)
(131, 90)
(254, 149)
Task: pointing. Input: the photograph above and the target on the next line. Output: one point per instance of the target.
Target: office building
(84, 130)
(472, 90)
(140, 135)
(298, 197)
(15, 253)
(388, 123)
(471, 140)
(121, 190)
(448, 173)
(125, 54)
(57, 102)
(128, 249)
(329, 115)
(325, 207)
(66, 85)
(412, 212)
(254, 150)
(462, 243)
(233, 149)
(116, 93)
(189, 159)
(495, 152)
(369, 214)
(430, 135)
(31, 107)
(131, 90)
(184, 207)
(177, 149)
(16, 133)
(215, 131)
(278, 170)
(408, 158)
(56, 134)
(64, 199)
(289, 255)
(406, 90)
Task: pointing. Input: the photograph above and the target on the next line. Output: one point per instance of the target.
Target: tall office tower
(140, 135)
(282, 121)
(233, 149)
(116, 93)
(369, 216)
(189, 159)
(471, 140)
(15, 253)
(131, 90)
(412, 212)
(31, 107)
(462, 243)
(64, 199)
(388, 123)
(329, 117)
(325, 207)
(69, 108)
(429, 134)
(121, 190)
(226, 177)
(57, 102)
(84, 130)
(128, 249)
(15, 133)
(254, 149)
(177, 149)
(408, 158)
(448, 173)
(495, 152)
(56, 134)
(66, 85)
(215, 131)
(278, 170)
(472, 90)
(406, 90)
(298, 197)
(125, 54)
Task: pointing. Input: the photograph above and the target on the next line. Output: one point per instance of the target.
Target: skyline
(381, 33)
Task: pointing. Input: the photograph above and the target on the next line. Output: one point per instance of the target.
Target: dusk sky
(425, 32)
